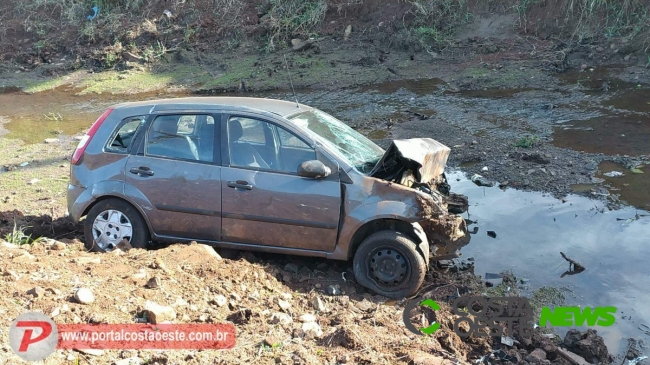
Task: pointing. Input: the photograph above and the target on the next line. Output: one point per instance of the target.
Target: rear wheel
(112, 220)
(389, 263)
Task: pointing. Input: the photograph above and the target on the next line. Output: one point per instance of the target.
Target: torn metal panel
(426, 156)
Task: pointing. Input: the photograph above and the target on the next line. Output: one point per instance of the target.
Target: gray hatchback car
(266, 175)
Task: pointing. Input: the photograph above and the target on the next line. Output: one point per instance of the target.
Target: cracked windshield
(325, 182)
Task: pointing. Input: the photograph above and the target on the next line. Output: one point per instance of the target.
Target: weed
(294, 18)
(435, 20)
(527, 141)
(18, 236)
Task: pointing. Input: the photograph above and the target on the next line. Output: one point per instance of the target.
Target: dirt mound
(263, 300)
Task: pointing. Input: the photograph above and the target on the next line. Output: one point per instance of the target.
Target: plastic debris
(637, 360)
(168, 14)
(614, 174)
(24, 164)
(508, 341)
(636, 171)
(492, 234)
(95, 13)
(484, 169)
(481, 181)
(500, 354)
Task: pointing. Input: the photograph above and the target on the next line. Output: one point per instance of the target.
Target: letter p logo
(33, 336)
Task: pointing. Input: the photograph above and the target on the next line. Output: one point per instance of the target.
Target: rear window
(126, 131)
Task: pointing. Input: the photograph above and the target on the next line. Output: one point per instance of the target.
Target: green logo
(429, 303)
(574, 316)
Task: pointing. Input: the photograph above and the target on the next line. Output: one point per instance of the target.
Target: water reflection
(533, 228)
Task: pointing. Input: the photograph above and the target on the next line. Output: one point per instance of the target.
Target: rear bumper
(77, 202)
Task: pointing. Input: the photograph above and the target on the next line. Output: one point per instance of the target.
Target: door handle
(240, 184)
(142, 171)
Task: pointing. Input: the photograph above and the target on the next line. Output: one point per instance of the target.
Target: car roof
(275, 106)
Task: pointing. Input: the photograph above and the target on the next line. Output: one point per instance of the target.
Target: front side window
(126, 132)
(184, 137)
(252, 143)
(361, 152)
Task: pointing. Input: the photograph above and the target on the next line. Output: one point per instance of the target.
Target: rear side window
(183, 137)
(120, 141)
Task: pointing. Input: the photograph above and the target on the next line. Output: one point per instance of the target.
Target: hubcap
(110, 228)
(388, 267)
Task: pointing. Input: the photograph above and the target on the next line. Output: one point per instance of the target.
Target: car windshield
(360, 152)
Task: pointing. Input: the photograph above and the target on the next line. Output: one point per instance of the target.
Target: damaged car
(266, 175)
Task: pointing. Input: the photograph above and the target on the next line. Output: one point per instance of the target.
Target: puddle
(632, 188)
(377, 134)
(614, 252)
(583, 188)
(594, 79)
(610, 134)
(35, 117)
(636, 99)
(419, 87)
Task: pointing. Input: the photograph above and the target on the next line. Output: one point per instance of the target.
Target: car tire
(111, 211)
(389, 263)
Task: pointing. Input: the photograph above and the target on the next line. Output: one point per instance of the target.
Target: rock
(291, 267)
(129, 361)
(286, 277)
(51, 140)
(25, 257)
(123, 245)
(627, 58)
(92, 352)
(284, 305)
(318, 304)
(36, 292)
(588, 345)
(307, 317)
(600, 49)
(154, 283)
(54, 291)
(312, 330)
(347, 32)
(57, 245)
(272, 341)
(33, 181)
(220, 300)
(536, 355)
(78, 138)
(423, 358)
(84, 296)
(584, 66)
(503, 184)
(55, 312)
(211, 252)
(298, 45)
(481, 181)
(333, 290)
(87, 260)
(157, 313)
(571, 357)
(281, 318)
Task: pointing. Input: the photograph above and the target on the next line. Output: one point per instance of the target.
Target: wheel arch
(412, 230)
(137, 208)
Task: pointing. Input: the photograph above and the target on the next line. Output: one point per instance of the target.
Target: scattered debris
(492, 234)
(614, 174)
(508, 341)
(481, 181)
(637, 360)
(484, 169)
(573, 265)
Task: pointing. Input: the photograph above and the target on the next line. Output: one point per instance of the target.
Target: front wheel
(112, 220)
(389, 263)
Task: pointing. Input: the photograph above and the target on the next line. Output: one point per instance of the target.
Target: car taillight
(81, 147)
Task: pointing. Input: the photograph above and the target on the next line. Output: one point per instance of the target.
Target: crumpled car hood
(426, 157)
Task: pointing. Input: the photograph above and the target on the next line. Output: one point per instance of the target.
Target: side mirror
(313, 169)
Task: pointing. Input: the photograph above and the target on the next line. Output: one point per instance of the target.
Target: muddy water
(633, 187)
(532, 229)
(33, 118)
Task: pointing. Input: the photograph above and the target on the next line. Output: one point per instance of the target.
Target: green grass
(18, 236)
(527, 141)
(435, 21)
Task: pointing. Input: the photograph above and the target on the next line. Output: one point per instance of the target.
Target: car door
(177, 171)
(264, 201)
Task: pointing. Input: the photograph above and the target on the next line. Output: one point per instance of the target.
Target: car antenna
(291, 81)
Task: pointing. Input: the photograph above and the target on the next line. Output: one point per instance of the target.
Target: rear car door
(176, 175)
(265, 202)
